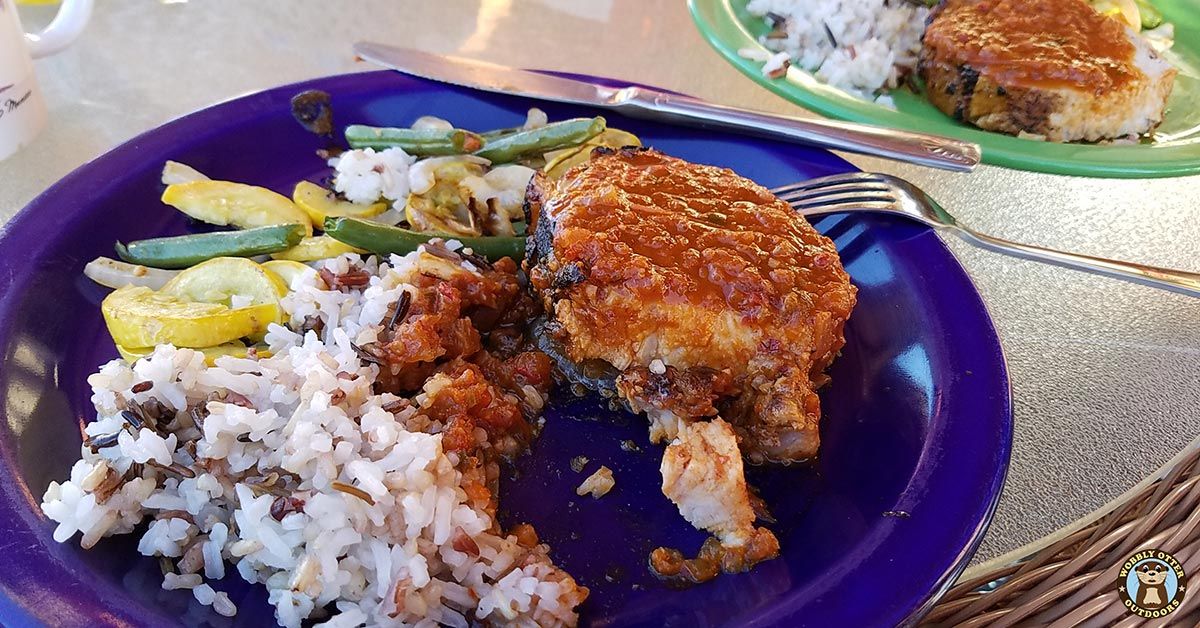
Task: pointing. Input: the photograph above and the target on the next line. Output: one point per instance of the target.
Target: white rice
(364, 176)
(777, 64)
(874, 42)
(388, 561)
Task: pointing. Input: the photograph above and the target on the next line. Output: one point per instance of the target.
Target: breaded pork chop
(696, 290)
(1055, 68)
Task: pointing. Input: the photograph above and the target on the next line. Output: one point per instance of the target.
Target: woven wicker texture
(1073, 581)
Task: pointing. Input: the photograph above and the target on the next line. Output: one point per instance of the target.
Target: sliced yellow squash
(234, 349)
(220, 279)
(560, 161)
(287, 269)
(319, 203)
(237, 204)
(141, 317)
(313, 248)
(446, 206)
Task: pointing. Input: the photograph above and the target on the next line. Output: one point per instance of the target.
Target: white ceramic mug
(22, 109)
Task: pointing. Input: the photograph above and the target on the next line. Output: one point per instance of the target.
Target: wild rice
(353, 507)
(861, 46)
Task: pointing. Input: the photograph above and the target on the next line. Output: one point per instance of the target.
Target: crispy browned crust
(639, 258)
(968, 96)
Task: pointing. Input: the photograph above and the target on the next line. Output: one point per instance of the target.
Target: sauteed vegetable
(390, 191)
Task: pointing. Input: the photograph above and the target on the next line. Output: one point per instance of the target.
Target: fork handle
(919, 148)
(1180, 281)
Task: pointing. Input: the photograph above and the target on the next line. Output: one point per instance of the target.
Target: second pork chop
(1053, 68)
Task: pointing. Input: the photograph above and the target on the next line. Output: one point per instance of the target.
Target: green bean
(421, 142)
(189, 250)
(542, 139)
(384, 240)
(498, 133)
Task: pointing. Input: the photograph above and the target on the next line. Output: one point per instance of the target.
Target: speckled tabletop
(1104, 373)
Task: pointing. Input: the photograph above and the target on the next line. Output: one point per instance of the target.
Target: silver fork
(871, 192)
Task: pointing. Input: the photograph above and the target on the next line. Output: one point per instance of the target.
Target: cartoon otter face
(1152, 573)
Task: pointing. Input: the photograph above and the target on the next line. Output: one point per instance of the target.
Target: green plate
(1175, 150)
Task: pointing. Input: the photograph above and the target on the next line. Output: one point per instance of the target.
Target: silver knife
(641, 102)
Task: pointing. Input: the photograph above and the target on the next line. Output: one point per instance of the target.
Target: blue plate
(915, 438)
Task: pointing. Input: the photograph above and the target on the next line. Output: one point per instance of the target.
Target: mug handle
(72, 16)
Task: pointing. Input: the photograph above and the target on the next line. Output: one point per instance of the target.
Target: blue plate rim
(13, 282)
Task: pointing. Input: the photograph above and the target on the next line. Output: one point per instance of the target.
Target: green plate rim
(718, 23)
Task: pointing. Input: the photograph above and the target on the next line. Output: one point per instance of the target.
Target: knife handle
(919, 148)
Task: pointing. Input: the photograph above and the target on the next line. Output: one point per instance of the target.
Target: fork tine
(819, 211)
(812, 184)
(877, 189)
(875, 201)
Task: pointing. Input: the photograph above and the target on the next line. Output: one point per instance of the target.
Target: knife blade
(641, 102)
